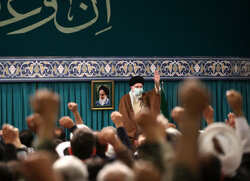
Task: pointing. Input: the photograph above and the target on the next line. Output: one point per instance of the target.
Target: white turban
(221, 140)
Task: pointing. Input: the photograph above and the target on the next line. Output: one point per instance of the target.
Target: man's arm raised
(74, 109)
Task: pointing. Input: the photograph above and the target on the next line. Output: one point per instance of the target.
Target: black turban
(105, 89)
(136, 79)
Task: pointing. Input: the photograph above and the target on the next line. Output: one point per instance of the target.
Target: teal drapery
(79, 92)
(218, 97)
(217, 89)
(14, 103)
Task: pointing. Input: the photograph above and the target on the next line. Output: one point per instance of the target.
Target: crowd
(160, 151)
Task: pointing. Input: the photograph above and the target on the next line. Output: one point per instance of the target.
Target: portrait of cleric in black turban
(102, 94)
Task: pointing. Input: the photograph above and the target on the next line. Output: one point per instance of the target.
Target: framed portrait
(102, 94)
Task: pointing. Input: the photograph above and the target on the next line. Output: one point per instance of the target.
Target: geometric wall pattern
(23, 69)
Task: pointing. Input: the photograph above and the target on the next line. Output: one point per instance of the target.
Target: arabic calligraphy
(68, 16)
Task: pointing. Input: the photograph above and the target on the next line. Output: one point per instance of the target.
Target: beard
(102, 101)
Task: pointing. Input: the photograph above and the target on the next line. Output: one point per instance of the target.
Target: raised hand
(11, 135)
(117, 119)
(66, 122)
(33, 121)
(231, 120)
(107, 135)
(157, 76)
(234, 99)
(72, 107)
(177, 113)
(208, 114)
(46, 103)
(154, 130)
(194, 97)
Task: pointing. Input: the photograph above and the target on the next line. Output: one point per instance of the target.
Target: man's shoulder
(125, 96)
(148, 92)
(152, 91)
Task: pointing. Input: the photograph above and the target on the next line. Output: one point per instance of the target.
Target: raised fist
(153, 129)
(33, 122)
(72, 107)
(11, 135)
(194, 96)
(234, 99)
(177, 114)
(107, 135)
(117, 119)
(66, 122)
(45, 102)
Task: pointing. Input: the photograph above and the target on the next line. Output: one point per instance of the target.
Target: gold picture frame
(100, 89)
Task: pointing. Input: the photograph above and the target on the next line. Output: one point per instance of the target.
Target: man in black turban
(136, 79)
(103, 96)
(131, 103)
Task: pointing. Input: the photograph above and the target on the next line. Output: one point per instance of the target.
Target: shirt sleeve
(122, 134)
(242, 130)
(157, 90)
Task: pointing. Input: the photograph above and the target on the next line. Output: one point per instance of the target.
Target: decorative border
(26, 69)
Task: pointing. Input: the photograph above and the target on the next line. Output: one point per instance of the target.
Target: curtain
(217, 90)
(79, 92)
(14, 102)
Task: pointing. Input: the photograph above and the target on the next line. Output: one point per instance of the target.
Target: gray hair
(71, 169)
(81, 126)
(116, 167)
